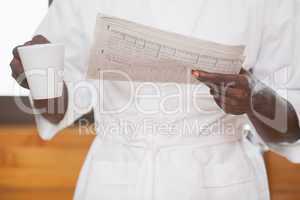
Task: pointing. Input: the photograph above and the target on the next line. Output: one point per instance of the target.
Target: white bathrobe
(171, 141)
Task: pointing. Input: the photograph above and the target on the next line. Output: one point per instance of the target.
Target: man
(210, 162)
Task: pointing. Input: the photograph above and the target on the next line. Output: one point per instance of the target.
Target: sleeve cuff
(293, 97)
(79, 103)
(287, 150)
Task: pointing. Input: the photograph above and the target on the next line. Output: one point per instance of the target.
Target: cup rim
(41, 46)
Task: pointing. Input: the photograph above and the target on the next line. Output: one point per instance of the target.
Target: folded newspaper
(127, 51)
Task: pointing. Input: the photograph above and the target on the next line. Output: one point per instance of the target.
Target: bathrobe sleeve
(278, 62)
(63, 24)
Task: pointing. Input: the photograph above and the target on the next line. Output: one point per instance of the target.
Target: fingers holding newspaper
(232, 93)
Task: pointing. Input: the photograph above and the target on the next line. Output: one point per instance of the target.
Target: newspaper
(127, 51)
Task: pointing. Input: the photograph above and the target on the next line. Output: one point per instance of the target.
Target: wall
(18, 20)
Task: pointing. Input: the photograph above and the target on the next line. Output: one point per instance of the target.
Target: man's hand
(232, 93)
(16, 64)
(52, 109)
(243, 94)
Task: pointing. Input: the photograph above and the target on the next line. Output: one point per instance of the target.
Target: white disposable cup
(43, 66)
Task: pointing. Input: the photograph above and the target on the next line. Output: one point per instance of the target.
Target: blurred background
(34, 169)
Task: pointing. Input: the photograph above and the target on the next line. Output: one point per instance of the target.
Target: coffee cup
(43, 66)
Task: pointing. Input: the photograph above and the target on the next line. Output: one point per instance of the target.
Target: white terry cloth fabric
(131, 162)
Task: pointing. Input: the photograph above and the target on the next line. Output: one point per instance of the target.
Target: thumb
(39, 39)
